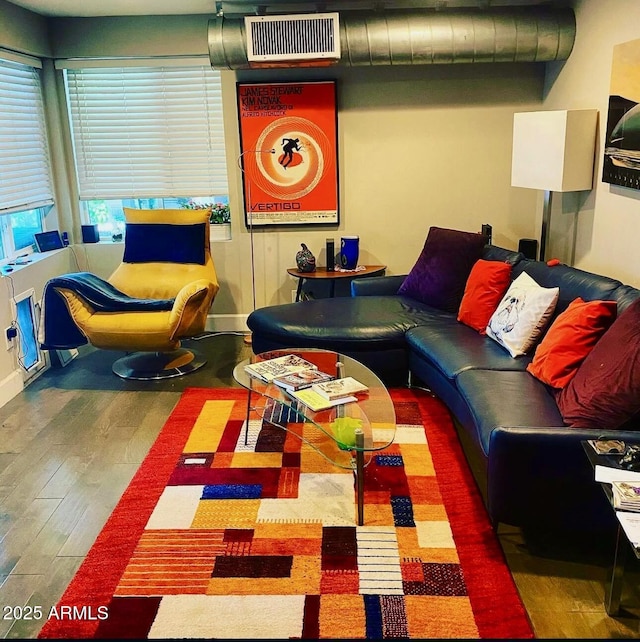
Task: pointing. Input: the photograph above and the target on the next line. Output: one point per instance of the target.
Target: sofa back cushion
(573, 283)
(497, 253)
(624, 296)
(441, 271)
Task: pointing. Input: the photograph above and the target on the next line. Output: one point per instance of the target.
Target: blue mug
(349, 250)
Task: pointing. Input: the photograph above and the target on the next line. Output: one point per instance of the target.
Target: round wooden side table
(323, 274)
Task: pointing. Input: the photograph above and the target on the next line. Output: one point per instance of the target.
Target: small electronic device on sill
(90, 234)
(47, 241)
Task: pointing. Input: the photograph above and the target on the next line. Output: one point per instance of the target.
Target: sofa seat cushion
(507, 398)
(341, 322)
(454, 347)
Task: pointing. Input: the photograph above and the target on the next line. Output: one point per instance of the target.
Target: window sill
(220, 231)
(16, 265)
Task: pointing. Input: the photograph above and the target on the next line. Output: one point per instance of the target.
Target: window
(25, 184)
(21, 229)
(145, 136)
(108, 215)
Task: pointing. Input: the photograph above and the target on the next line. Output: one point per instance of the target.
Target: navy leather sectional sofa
(530, 467)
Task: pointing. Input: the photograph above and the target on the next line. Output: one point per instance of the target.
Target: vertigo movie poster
(288, 138)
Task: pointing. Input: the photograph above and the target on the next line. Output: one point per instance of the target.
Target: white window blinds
(25, 181)
(141, 132)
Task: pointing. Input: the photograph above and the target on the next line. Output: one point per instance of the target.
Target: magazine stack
(626, 495)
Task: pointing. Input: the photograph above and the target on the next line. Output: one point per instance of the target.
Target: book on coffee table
(269, 369)
(337, 388)
(317, 402)
(300, 380)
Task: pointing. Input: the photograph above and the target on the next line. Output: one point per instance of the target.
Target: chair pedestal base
(158, 365)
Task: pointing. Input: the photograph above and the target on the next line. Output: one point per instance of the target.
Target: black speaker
(331, 256)
(529, 247)
(90, 234)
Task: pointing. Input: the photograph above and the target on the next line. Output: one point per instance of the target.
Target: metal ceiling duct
(425, 37)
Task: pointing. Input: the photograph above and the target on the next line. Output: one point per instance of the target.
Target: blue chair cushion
(164, 243)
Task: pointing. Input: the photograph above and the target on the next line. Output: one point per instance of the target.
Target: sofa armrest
(537, 473)
(377, 285)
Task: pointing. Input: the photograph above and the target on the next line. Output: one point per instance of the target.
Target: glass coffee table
(347, 434)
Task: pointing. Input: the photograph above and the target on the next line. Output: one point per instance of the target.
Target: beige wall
(608, 221)
(418, 146)
(23, 31)
(137, 36)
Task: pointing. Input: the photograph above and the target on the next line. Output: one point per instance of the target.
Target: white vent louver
(292, 37)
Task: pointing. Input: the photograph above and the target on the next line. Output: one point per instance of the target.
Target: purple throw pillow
(440, 274)
(605, 391)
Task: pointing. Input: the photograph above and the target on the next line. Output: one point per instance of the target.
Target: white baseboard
(10, 387)
(227, 323)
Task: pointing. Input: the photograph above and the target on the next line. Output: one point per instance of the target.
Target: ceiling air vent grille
(293, 37)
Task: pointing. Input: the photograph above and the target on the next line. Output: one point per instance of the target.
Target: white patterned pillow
(522, 315)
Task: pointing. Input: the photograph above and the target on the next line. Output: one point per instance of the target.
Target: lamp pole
(247, 203)
(546, 224)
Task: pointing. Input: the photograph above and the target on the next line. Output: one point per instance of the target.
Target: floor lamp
(553, 151)
(249, 216)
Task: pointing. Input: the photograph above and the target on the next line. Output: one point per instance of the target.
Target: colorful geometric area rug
(217, 539)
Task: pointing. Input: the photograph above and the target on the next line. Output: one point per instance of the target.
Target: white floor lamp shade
(553, 151)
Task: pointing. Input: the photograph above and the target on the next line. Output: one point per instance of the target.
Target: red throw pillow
(486, 285)
(570, 339)
(605, 391)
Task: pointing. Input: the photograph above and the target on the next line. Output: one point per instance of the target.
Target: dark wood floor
(72, 441)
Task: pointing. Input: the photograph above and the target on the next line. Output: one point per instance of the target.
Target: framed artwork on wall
(289, 152)
(621, 164)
